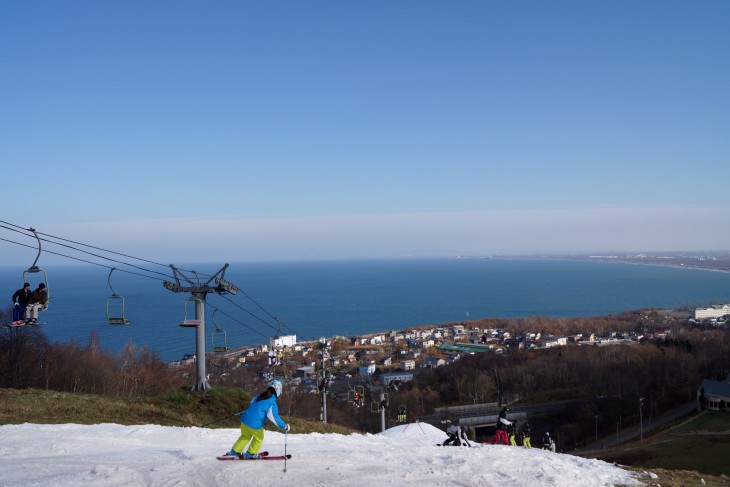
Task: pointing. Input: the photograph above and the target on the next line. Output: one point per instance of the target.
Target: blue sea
(313, 299)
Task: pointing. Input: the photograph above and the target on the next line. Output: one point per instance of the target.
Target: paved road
(634, 432)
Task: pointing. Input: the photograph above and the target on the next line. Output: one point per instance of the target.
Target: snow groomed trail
(107, 455)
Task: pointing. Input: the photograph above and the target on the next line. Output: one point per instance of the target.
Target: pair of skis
(264, 455)
(18, 324)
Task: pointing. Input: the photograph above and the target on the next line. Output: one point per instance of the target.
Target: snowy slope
(113, 455)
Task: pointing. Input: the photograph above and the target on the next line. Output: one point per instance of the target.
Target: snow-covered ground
(113, 455)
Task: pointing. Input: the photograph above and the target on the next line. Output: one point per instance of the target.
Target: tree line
(29, 360)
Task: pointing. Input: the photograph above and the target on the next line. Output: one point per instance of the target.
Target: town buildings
(716, 311)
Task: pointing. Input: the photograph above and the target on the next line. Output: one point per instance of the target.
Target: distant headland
(709, 260)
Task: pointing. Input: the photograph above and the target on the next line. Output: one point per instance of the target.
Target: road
(634, 432)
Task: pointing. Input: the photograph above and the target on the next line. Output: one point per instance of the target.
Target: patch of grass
(701, 445)
(707, 421)
(679, 478)
(704, 455)
(178, 407)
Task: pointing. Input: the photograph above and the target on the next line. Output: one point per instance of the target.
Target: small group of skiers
(506, 433)
(27, 303)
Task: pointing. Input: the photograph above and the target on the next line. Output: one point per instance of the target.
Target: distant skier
(547, 442)
(526, 429)
(456, 435)
(262, 406)
(511, 434)
(501, 433)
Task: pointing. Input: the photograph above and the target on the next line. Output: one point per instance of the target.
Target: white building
(408, 364)
(367, 370)
(716, 311)
(285, 341)
(389, 377)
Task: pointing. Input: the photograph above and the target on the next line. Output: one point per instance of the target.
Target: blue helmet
(276, 385)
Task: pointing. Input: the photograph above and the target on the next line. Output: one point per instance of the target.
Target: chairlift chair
(186, 323)
(375, 405)
(402, 417)
(34, 269)
(115, 312)
(356, 395)
(218, 349)
(115, 320)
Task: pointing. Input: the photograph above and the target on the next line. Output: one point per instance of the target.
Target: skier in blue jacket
(262, 406)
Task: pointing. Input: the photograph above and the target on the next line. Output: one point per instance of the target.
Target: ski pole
(286, 436)
(221, 419)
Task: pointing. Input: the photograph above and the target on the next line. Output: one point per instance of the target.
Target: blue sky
(208, 131)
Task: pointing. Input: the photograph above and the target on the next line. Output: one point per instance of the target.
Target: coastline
(706, 261)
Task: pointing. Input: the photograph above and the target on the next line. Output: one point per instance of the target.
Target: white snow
(149, 455)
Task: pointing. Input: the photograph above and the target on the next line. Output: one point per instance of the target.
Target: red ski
(264, 456)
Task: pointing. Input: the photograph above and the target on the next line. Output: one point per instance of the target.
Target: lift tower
(199, 291)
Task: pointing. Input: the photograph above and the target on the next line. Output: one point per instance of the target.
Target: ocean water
(313, 299)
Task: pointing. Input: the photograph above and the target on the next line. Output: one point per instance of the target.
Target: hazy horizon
(181, 131)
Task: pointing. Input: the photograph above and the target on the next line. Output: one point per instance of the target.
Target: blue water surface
(313, 299)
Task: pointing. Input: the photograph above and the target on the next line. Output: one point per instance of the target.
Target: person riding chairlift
(37, 300)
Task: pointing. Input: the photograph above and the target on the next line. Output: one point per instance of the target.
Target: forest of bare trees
(29, 360)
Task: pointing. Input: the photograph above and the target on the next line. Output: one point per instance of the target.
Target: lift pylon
(199, 291)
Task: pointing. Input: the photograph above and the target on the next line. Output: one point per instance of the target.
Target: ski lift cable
(279, 323)
(81, 260)
(236, 320)
(92, 247)
(253, 315)
(24, 231)
(83, 251)
(130, 272)
(101, 256)
(111, 268)
(258, 318)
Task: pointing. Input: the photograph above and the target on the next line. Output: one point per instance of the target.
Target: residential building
(716, 311)
(389, 377)
(305, 372)
(367, 370)
(283, 341)
(716, 394)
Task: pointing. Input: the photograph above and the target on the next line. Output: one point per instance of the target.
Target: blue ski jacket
(255, 416)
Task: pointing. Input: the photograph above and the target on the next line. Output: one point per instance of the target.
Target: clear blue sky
(242, 130)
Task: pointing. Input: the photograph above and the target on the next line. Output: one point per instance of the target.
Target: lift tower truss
(199, 290)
